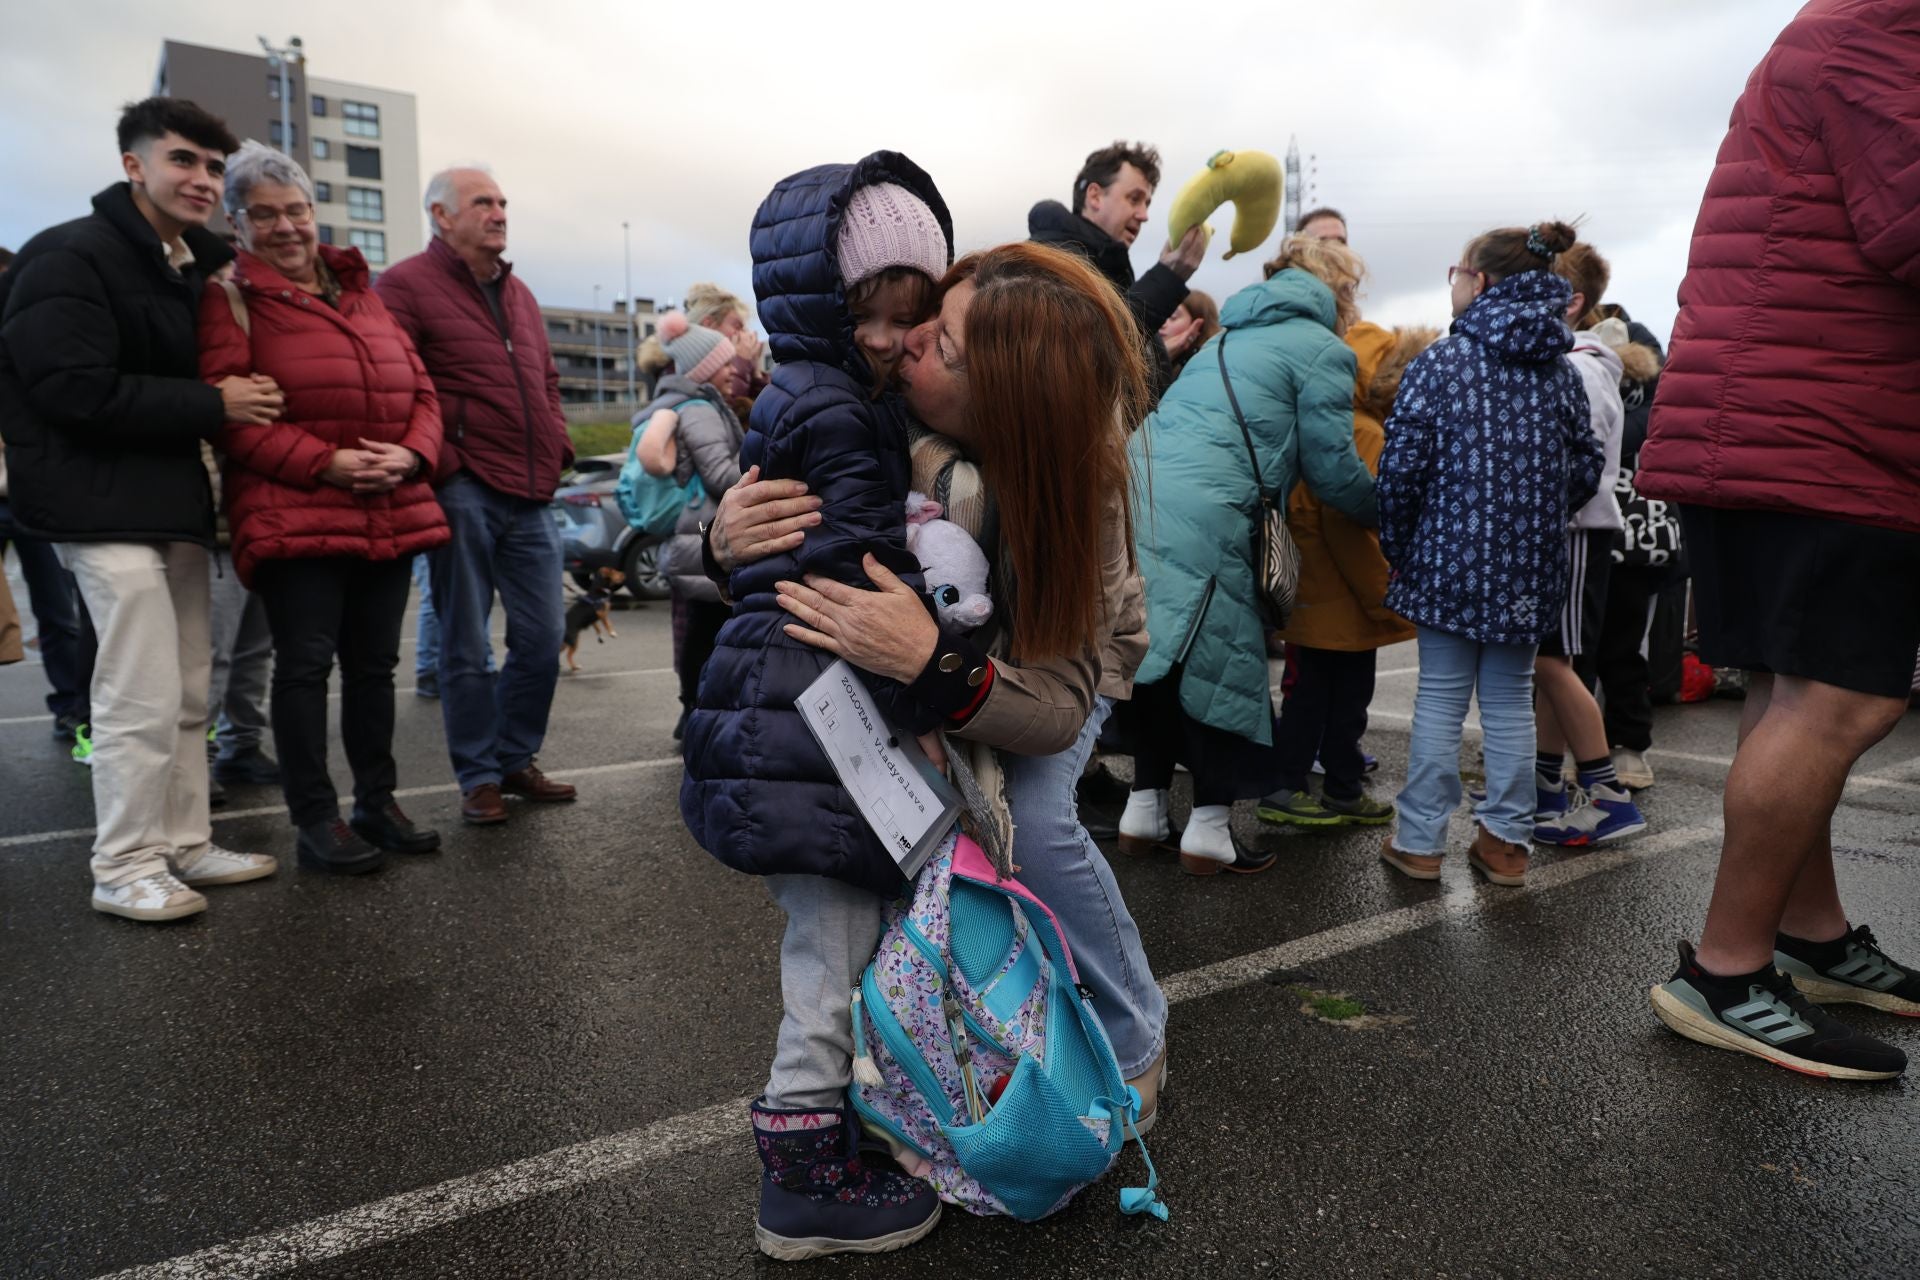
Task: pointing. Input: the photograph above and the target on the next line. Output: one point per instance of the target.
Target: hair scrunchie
(1538, 246)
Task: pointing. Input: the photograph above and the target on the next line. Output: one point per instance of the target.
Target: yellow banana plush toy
(1251, 179)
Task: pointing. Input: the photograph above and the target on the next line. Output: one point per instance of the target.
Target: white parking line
(407, 688)
(1890, 778)
(412, 1212)
(267, 811)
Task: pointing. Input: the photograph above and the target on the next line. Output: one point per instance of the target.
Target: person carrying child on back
(1488, 450)
(845, 263)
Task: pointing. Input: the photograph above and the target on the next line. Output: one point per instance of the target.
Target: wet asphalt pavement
(289, 1069)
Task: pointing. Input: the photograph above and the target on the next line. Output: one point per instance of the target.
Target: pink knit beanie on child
(886, 225)
(698, 353)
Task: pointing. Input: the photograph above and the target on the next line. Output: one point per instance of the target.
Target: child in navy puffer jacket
(1488, 451)
(845, 260)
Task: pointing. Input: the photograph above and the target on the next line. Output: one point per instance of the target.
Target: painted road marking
(268, 811)
(413, 1212)
(407, 688)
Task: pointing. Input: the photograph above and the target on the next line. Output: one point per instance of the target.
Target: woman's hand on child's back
(760, 518)
(887, 632)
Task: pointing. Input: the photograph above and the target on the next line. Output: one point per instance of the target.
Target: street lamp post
(281, 60)
(599, 375)
(633, 327)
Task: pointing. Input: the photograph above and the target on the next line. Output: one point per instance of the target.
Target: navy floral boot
(817, 1196)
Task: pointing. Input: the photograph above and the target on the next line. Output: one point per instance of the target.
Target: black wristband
(951, 680)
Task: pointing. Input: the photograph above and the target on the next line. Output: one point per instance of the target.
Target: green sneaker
(1361, 811)
(1296, 808)
(83, 744)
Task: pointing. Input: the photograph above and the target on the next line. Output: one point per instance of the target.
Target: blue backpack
(977, 1055)
(652, 504)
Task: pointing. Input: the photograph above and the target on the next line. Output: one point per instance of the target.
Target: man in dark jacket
(1110, 199)
(104, 414)
(479, 332)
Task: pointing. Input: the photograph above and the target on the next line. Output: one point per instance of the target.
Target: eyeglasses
(263, 216)
(1454, 273)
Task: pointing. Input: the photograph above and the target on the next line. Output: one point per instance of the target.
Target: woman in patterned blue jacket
(1488, 452)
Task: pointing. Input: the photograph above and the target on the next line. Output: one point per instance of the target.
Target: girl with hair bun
(1488, 451)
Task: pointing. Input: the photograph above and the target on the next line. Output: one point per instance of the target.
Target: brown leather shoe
(1419, 866)
(1500, 861)
(531, 784)
(483, 806)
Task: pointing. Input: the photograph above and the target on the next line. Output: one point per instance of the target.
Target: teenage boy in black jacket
(1111, 194)
(104, 414)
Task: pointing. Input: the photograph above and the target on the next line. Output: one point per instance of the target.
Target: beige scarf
(949, 477)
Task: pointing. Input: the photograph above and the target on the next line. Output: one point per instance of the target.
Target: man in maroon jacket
(479, 331)
(1785, 425)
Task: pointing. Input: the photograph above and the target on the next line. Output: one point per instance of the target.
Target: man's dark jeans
(67, 643)
(496, 722)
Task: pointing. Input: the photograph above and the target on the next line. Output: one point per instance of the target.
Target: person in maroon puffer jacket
(1785, 425)
(480, 334)
(329, 504)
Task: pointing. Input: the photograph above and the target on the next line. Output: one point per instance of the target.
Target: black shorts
(1806, 596)
(1589, 565)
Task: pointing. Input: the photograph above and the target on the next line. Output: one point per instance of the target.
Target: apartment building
(592, 349)
(360, 145)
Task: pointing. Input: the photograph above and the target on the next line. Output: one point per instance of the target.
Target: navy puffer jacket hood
(759, 794)
(796, 271)
(1490, 449)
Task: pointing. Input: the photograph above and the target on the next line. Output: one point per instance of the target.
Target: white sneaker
(152, 897)
(1635, 773)
(214, 865)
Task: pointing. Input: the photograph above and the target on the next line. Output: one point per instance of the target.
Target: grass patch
(590, 439)
(1332, 1007)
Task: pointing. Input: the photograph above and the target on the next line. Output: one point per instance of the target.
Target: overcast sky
(1425, 122)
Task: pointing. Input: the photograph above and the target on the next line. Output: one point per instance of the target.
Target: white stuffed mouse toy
(956, 568)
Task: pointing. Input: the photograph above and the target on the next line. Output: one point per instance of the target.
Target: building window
(273, 136)
(322, 192)
(322, 149)
(371, 243)
(362, 119)
(273, 85)
(326, 234)
(319, 105)
(363, 162)
(364, 204)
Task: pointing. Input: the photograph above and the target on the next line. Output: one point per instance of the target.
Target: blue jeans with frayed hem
(1452, 670)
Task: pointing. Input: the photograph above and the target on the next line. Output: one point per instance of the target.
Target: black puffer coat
(759, 794)
(1152, 298)
(101, 402)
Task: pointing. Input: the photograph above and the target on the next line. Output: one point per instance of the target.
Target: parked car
(594, 533)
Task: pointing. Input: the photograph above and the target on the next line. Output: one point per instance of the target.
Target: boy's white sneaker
(158, 896)
(1632, 767)
(214, 865)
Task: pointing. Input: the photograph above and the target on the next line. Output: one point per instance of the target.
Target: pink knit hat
(886, 225)
(698, 353)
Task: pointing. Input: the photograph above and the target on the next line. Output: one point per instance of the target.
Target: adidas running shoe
(1849, 970)
(1764, 1014)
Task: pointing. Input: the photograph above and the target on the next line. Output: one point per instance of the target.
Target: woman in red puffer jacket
(328, 505)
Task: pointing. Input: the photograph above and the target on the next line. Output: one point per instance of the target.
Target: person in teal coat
(1202, 695)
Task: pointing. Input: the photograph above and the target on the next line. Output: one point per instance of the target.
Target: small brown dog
(593, 608)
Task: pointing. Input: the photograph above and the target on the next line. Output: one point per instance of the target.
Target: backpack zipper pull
(865, 1072)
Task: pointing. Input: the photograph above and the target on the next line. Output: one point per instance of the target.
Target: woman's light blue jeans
(1452, 668)
(1058, 861)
